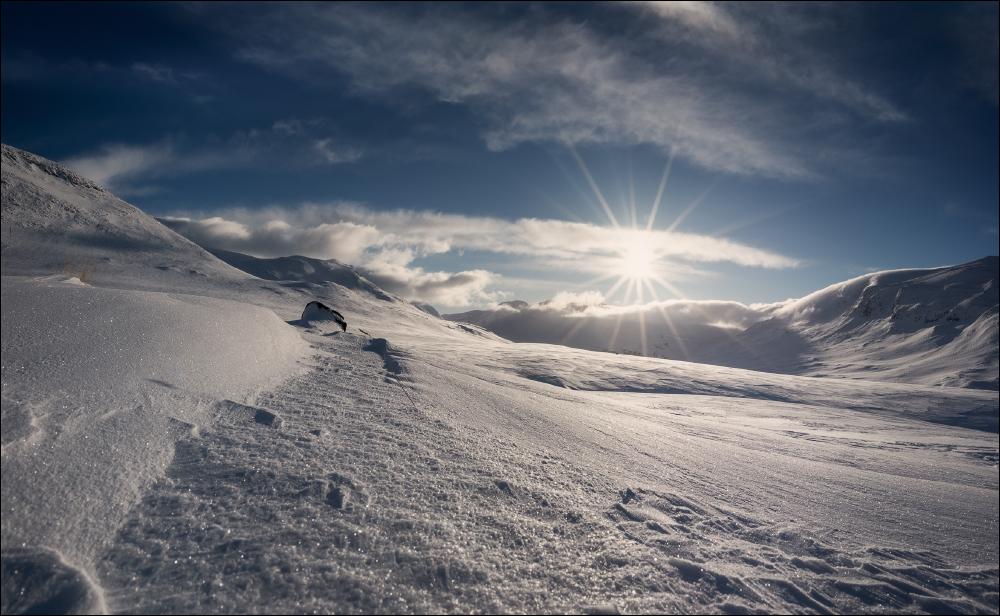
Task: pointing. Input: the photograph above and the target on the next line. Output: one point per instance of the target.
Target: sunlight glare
(637, 263)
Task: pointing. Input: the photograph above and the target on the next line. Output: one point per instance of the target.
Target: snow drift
(98, 385)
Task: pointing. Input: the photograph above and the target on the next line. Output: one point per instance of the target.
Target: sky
(469, 154)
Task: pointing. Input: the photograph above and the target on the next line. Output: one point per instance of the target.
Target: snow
(98, 384)
(932, 327)
(182, 442)
(929, 327)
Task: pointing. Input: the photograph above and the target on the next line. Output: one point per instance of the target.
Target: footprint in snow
(346, 495)
(242, 413)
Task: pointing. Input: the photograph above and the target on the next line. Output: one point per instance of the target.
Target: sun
(636, 259)
(637, 263)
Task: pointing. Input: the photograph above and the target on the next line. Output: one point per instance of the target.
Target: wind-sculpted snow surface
(185, 443)
(502, 493)
(98, 384)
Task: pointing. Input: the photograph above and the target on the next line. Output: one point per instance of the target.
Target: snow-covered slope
(934, 327)
(303, 269)
(186, 444)
(98, 384)
(51, 215)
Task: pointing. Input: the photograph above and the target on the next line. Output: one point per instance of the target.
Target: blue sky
(465, 154)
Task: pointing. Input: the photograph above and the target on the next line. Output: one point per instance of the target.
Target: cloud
(161, 73)
(344, 241)
(714, 313)
(572, 245)
(577, 246)
(390, 270)
(745, 91)
(288, 127)
(676, 329)
(567, 300)
(386, 244)
(336, 153)
(117, 162)
(697, 15)
(381, 257)
(119, 166)
(591, 305)
(127, 169)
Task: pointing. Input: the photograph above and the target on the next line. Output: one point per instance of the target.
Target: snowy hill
(303, 269)
(933, 327)
(176, 440)
(51, 215)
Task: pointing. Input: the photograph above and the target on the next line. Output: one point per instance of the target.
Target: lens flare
(637, 263)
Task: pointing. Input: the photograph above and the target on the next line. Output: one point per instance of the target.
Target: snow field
(98, 384)
(501, 493)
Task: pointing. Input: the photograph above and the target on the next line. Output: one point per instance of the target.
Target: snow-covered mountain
(51, 215)
(303, 269)
(933, 327)
(176, 439)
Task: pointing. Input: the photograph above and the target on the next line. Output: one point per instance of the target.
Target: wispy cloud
(120, 162)
(386, 245)
(128, 168)
(738, 90)
(162, 73)
(336, 153)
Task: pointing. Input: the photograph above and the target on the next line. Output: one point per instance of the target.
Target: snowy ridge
(178, 442)
(933, 327)
(930, 327)
(28, 163)
(303, 269)
(51, 214)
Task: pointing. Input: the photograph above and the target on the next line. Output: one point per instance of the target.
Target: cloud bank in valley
(386, 244)
(672, 329)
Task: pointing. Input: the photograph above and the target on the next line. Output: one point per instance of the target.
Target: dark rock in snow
(267, 418)
(315, 311)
